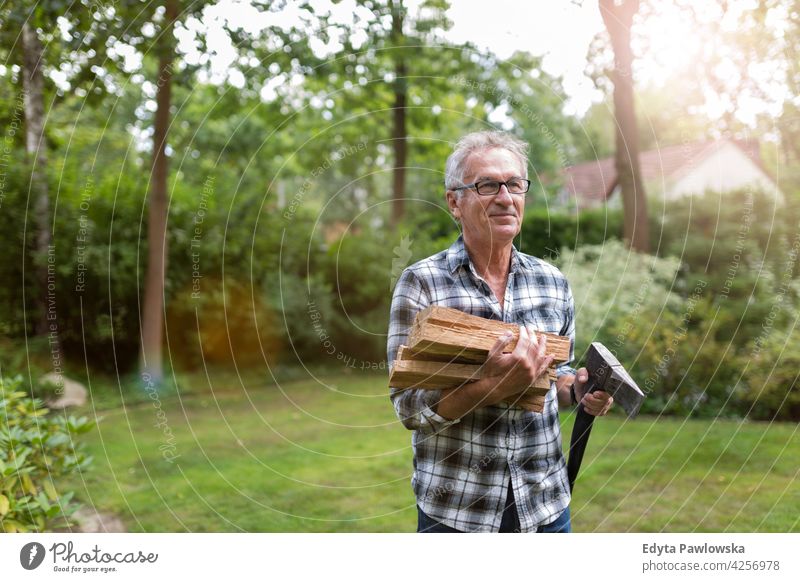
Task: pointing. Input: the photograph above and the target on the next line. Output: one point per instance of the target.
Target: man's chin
(504, 221)
(507, 225)
(504, 233)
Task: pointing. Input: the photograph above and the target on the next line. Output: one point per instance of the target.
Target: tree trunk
(35, 146)
(153, 317)
(618, 17)
(399, 115)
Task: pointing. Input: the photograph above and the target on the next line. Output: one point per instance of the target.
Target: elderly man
(481, 464)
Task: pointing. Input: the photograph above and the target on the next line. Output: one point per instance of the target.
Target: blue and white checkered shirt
(462, 467)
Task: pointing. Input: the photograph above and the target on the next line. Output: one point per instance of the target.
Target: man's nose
(503, 196)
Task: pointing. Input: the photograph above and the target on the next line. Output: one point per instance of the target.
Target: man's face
(489, 220)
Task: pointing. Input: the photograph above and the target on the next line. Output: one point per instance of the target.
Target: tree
(153, 316)
(406, 92)
(92, 31)
(618, 18)
(663, 119)
(399, 71)
(399, 112)
(33, 83)
(39, 50)
(739, 76)
(752, 68)
(131, 19)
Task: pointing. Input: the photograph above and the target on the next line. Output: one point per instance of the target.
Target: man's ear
(452, 203)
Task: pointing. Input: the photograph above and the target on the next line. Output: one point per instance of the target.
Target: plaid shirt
(462, 467)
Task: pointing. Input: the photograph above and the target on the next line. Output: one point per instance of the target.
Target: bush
(745, 249)
(222, 325)
(36, 450)
(545, 233)
(48, 388)
(770, 390)
(659, 324)
(359, 270)
(736, 241)
(677, 362)
(706, 232)
(612, 284)
(303, 309)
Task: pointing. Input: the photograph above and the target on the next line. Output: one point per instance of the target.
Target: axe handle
(580, 436)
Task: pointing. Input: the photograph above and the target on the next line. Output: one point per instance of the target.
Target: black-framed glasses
(492, 187)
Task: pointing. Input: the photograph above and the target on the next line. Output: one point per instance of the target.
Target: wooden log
(421, 374)
(447, 346)
(447, 334)
(436, 375)
(403, 353)
(532, 403)
(433, 375)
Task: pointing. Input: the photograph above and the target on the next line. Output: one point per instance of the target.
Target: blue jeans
(508, 524)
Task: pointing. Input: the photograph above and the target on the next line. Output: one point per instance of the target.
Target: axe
(608, 375)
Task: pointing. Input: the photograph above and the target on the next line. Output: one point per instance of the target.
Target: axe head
(608, 375)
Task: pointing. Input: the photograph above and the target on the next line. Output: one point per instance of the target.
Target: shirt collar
(457, 256)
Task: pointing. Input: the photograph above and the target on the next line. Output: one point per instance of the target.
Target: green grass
(304, 456)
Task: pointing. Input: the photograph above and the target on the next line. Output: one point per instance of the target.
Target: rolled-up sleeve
(568, 330)
(416, 408)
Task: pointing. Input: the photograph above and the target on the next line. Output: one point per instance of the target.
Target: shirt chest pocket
(543, 319)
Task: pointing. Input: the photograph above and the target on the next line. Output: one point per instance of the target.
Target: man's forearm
(460, 401)
(563, 384)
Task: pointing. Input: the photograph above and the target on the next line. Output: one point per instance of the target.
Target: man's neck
(491, 261)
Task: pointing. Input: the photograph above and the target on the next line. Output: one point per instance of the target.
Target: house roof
(595, 181)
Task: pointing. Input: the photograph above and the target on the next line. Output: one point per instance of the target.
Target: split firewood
(437, 375)
(447, 347)
(423, 374)
(450, 335)
(531, 402)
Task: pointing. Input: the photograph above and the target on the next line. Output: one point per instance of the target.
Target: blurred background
(204, 208)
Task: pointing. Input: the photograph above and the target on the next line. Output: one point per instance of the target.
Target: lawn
(329, 455)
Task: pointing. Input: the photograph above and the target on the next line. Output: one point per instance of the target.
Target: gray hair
(476, 142)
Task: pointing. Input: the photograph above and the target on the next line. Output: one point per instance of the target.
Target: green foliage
(304, 316)
(611, 283)
(703, 328)
(711, 232)
(96, 239)
(359, 271)
(48, 388)
(545, 232)
(744, 247)
(659, 324)
(594, 134)
(770, 389)
(16, 244)
(37, 451)
(676, 360)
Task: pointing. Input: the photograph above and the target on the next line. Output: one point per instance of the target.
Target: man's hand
(597, 403)
(513, 373)
(504, 375)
